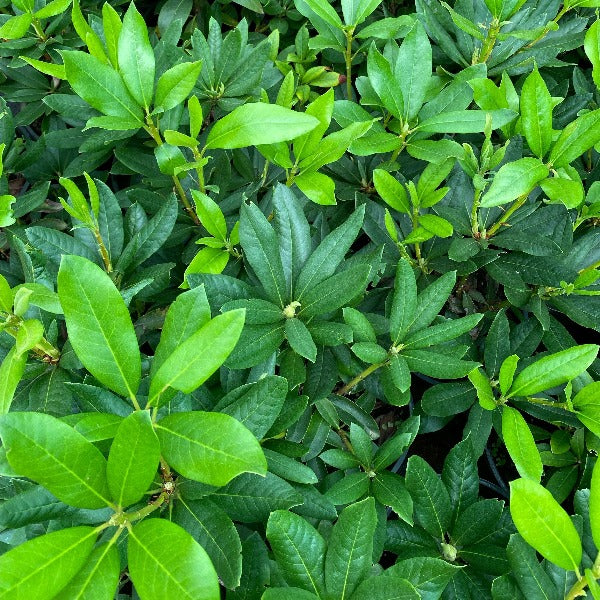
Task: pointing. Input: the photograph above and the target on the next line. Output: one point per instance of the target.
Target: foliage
(300, 299)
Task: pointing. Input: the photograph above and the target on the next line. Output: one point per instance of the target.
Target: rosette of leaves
(507, 36)
(294, 293)
(414, 343)
(233, 70)
(452, 523)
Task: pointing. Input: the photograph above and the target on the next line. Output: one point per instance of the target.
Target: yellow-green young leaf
(481, 383)
(47, 68)
(317, 187)
(175, 84)
(536, 114)
(553, 370)
(111, 23)
(259, 123)
(31, 332)
(41, 567)
(384, 82)
(544, 524)
(99, 325)
(595, 504)
(587, 406)
(196, 117)
(520, 444)
(198, 357)
(56, 7)
(208, 260)
(6, 297)
(436, 225)
(98, 579)
(15, 27)
(210, 214)
(391, 191)
(576, 138)
(209, 447)
(133, 459)
(466, 121)
(56, 456)
(322, 109)
(513, 180)
(136, 57)
(11, 371)
(166, 562)
(100, 85)
(6, 212)
(592, 49)
(507, 373)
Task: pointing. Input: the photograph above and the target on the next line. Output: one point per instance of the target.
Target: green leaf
(404, 301)
(194, 360)
(276, 593)
(349, 489)
(317, 187)
(323, 262)
(553, 370)
(384, 82)
(356, 11)
(587, 406)
(323, 10)
(442, 332)
(391, 191)
(513, 180)
(335, 292)
(413, 69)
(176, 84)
(112, 25)
(99, 577)
(389, 489)
(386, 588)
(350, 548)
(136, 57)
(41, 567)
(53, 8)
(436, 225)
(166, 562)
(461, 478)
(544, 524)
(435, 364)
(481, 383)
(210, 215)
(576, 138)
(209, 447)
(299, 550)
(99, 325)
(100, 86)
(210, 526)
(54, 455)
(536, 113)
(520, 444)
(433, 510)
(431, 300)
(133, 459)
(466, 121)
(428, 574)
(595, 504)
(261, 249)
(259, 123)
(15, 27)
(507, 373)
(11, 372)
(51, 69)
(370, 352)
(300, 339)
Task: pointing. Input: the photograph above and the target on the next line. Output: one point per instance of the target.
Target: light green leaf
(100, 85)
(404, 301)
(166, 562)
(259, 123)
(544, 524)
(210, 215)
(386, 588)
(176, 84)
(356, 11)
(391, 191)
(384, 82)
(198, 357)
(520, 444)
(11, 371)
(595, 504)
(41, 567)
(466, 121)
(513, 180)
(54, 455)
(56, 7)
(507, 373)
(436, 225)
(47, 68)
(209, 447)
(350, 548)
(15, 27)
(99, 326)
(133, 459)
(587, 406)
(536, 113)
(481, 383)
(576, 138)
(553, 370)
(317, 187)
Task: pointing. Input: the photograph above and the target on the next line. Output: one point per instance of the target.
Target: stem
(134, 401)
(563, 11)
(496, 226)
(346, 441)
(591, 267)
(199, 170)
(370, 369)
(474, 216)
(38, 29)
(144, 512)
(151, 128)
(348, 57)
(489, 42)
(103, 251)
(47, 348)
(577, 590)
